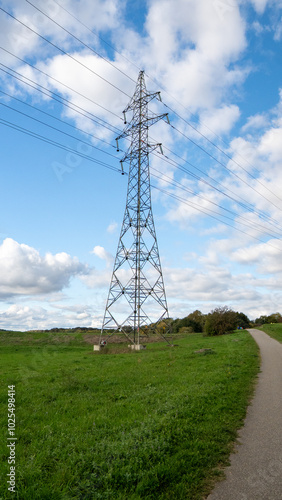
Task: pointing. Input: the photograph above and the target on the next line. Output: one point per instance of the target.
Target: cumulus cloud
(271, 144)
(30, 317)
(103, 254)
(192, 42)
(216, 278)
(252, 178)
(266, 257)
(219, 121)
(98, 15)
(258, 122)
(208, 287)
(23, 271)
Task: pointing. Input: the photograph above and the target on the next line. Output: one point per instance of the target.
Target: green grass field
(274, 331)
(154, 424)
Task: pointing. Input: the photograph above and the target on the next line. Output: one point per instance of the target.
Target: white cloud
(112, 227)
(103, 254)
(192, 42)
(258, 28)
(98, 15)
(266, 257)
(271, 145)
(258, 122)
(23, 271)
(219, 121)
(30, 317)
(278, 31)
(260, 5)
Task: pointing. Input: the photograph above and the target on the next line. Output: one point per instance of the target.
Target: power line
(61, 83)
(105, 165)
(42, 138)
(200, 209)
(122, 91)
(97, 35)
(224, 166)
(167, 159)
(80, 41)
(203, 149)
(186, 121)
(58, 130)
(250, 224)
(244, 205)
(64, 52)
(57, 119)
(172, 182)
(60, 99)
(222, 151)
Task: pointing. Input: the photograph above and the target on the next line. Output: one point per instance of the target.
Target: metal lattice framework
(137, 286)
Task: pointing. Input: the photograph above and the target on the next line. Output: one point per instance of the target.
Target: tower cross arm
(147, 122)
(145, 99)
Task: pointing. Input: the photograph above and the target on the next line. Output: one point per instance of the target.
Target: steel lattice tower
(137, 285)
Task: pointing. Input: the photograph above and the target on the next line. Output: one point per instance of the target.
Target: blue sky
(218, 67)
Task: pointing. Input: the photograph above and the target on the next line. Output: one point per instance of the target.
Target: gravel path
(256, 466)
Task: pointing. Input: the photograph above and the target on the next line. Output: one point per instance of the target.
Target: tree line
(219, 321)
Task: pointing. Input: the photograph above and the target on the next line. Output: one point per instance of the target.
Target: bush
(220, 321)
(186, 329)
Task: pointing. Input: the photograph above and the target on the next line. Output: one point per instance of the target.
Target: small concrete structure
(98, 347)
(136, 347)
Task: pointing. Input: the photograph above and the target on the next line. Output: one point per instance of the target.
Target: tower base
(136, 347)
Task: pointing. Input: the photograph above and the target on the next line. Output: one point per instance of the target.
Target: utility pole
(137, 287)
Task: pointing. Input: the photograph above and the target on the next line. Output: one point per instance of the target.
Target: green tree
(275, 318)
(242, 320)
(220, 321)
(272, 318)
(199, 320)
(194, 322)
(262, 320)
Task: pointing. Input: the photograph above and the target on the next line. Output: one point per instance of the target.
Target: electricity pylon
(137, 286)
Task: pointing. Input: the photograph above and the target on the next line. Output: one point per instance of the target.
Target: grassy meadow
(153, 424)
(273, 330)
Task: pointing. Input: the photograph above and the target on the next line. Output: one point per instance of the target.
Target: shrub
(186, 329)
